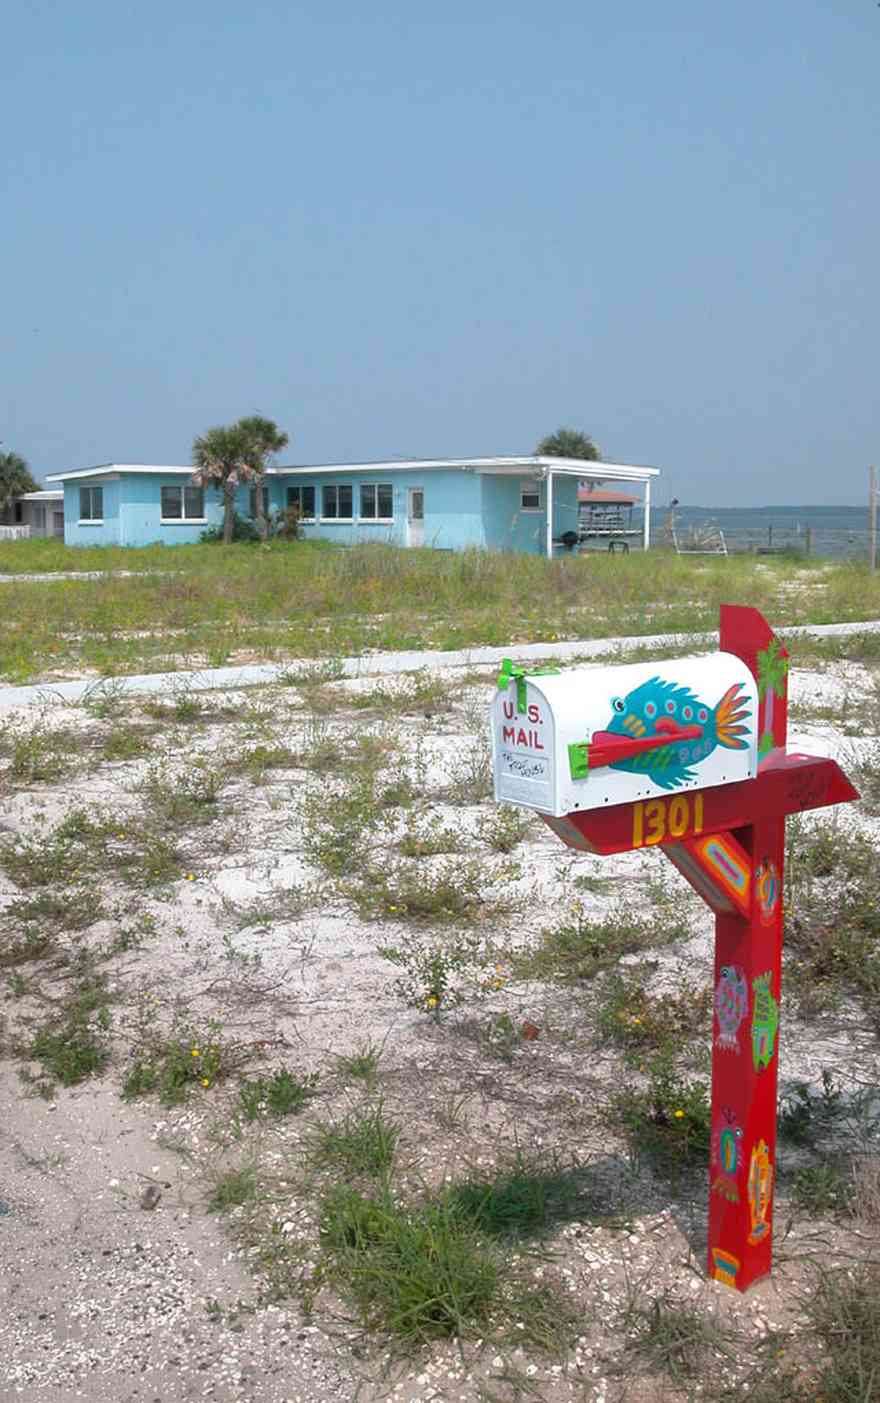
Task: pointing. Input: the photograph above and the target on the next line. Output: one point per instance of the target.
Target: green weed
(362, 1064)
(429, 839)
(233, 1189)
(668, 1123)
(338, 828)
(282, 1094)
(844, 1313)
(73, 1045)
(504, 828)
(670, 1337)
(581, 946)
(362, 1142)
(452, 892)
(642, 1022)
(174, 1066)
(187, 800)
(438, 975)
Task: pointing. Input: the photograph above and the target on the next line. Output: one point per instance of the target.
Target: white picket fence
(15, 533)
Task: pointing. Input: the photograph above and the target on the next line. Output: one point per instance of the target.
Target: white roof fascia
(533, 466)
(117, 468)
(39, 496)
(513, 467)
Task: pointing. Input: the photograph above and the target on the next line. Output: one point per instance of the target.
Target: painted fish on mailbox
(659, 708)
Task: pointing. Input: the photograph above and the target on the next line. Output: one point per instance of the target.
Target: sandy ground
(108, 1295)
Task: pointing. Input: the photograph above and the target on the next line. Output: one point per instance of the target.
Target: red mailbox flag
(729, 842)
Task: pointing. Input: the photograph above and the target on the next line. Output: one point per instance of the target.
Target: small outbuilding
(33, 514)
(521, 503)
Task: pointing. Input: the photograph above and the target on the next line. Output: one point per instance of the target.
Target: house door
(415, 516)
(58, 523)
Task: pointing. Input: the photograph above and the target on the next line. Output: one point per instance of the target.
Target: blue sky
(409, 232)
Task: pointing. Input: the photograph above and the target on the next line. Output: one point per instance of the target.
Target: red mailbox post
(728, 840)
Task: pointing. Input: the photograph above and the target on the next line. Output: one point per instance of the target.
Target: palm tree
(569, 443)
(233, 453)
(772, 672)
(264, 438)
(15, 478)
(219, 459)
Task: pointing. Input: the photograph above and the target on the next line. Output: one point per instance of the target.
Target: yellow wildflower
(433, 1001)
(205, 1081)
(636, 1019)
(678, 1115)
(190, 877)
(195, 1052)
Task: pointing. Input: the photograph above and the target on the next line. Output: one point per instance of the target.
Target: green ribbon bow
(511, 673)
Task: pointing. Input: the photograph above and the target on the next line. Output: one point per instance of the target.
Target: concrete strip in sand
(381, 664)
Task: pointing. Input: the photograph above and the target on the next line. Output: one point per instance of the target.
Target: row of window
(178, 503)
(188, 503)
(337, 502)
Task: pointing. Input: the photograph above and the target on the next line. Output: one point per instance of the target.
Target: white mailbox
(588, 737)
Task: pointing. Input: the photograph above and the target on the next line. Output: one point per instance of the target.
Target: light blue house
(520, 504)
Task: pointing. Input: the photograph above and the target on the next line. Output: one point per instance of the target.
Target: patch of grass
(282, 1094)
(580, 946)
(233, 1189)
(470, 772)
(307, 599)
(667, 1123)
(844, 1313)
(188, 800)
(833, 918)
(670, 1337)
(256, 762)
(173, 1066)
(820, 1189)
(806, 1116)
(36, 752)
(73, 1044)
(56, 909)
(438, 976)
(449, 893)
(429, 839)
(362, 1064)
(641, 1022)
(363, 1142)
(338, 828)
(418, 1274)
(185, 707)
(528, 1198)
(127, 742)
(504, 828)
(31, 945)
(84, 844)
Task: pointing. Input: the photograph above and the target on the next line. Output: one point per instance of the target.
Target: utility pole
(872, 519)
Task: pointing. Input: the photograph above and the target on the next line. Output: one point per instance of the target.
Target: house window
(39, 519)
(338, 502)
(183, 503)
(19, 513)
(302, 499)
(530, 496)
(91, 504)
(377, 501)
